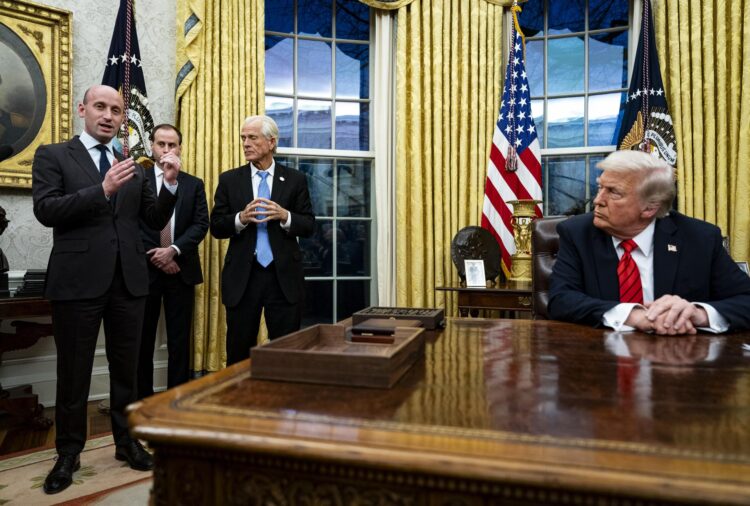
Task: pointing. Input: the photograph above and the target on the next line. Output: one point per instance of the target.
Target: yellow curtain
(219, 82)
(449, 66)
(704, 51)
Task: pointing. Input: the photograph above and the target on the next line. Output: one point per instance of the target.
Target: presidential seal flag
(514, 171)
(646, 123)
(124, 72)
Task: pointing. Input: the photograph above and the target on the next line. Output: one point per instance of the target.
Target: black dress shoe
(61, 475)
(138, 458)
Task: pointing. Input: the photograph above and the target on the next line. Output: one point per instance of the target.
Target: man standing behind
(174, 264)
(93, 199)
(262, 207)
(634, 264)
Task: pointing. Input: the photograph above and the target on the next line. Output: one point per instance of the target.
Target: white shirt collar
(270, 169)
(89, 142)
(644, 240)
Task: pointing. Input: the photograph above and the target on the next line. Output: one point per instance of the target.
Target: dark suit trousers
(76, 325)
(243, 321)
(178, 314)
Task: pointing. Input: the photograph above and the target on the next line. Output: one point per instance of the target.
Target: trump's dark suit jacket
(234, 192)
(88, 230)
(689, 261)
(190, 227)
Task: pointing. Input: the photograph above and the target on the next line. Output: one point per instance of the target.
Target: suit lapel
(606, 265)
(178, 202)
(80, 154)
(246, 185)
(279, 182)
(667, 248)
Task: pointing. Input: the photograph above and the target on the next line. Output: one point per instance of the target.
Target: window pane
(281, 17)
(314, 17)
(353, 196)
(352, 126)
(566, 188)
(566, 17)
(281, 110)
(353, 253)
(531, 18)
(352, 20)
(317, 250)
(608, 61)
(279, 65)
(319, 174)
(352, 296)
(594, 173)
(314, 68)
(537, 112)
(607, 14)
(352, 70)
(314, 124)
(565, 66)
(287, 161)
(535, 67)
(318, 303)
(565, 122)
(603, 111)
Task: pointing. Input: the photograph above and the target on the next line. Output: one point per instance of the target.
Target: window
(318, 91)
(577, 63)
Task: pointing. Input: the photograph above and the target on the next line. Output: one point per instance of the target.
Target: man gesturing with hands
(93, 200)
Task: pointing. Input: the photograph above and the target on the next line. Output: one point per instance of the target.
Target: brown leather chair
(544, 245)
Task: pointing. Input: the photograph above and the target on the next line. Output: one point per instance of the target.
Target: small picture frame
(475, 274)
(743, 267)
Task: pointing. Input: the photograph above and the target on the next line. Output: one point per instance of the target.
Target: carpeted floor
(101, 479)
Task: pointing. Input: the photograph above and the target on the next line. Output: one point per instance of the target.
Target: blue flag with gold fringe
(645, 122)
(124, 72)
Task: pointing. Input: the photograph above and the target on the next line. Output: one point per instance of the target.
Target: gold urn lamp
(524, 212)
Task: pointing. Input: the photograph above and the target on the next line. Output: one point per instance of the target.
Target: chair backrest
(544, 245)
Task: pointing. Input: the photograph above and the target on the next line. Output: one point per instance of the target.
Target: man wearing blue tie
(262, 208)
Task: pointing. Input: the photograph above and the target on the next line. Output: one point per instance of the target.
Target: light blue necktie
(262, 245)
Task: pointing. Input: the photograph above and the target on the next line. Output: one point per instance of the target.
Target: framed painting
(35, 85)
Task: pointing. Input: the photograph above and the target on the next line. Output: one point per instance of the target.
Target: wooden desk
(506, 296)
(499, 412)
(30, 318)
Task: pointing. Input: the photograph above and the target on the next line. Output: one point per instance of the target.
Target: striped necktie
(628, 275)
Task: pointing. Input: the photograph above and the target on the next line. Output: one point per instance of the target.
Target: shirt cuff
(238, 226)
(171, 187)
(176, 249)
(288, 223)
(616, 317)
(716, 322)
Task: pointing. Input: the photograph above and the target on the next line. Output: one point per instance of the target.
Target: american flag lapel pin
(672, 248)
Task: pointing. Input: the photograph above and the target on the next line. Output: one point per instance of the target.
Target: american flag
(514, 170)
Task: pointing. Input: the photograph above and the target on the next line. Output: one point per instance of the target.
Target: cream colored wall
(26, 243)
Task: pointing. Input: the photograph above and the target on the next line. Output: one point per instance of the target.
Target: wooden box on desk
(431, 318)
(323, 354)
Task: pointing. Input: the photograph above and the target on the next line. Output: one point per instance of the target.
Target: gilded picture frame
(35, 85)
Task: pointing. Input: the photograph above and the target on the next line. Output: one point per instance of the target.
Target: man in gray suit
(93, 199)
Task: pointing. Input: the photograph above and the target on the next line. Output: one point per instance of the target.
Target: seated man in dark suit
(634, 264)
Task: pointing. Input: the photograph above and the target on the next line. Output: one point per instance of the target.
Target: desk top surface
(540, 402)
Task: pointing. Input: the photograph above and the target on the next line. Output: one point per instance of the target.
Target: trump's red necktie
(628, 275)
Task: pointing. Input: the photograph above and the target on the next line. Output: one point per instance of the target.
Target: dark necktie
(628, 275)
(262, 245)
(104, 164)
